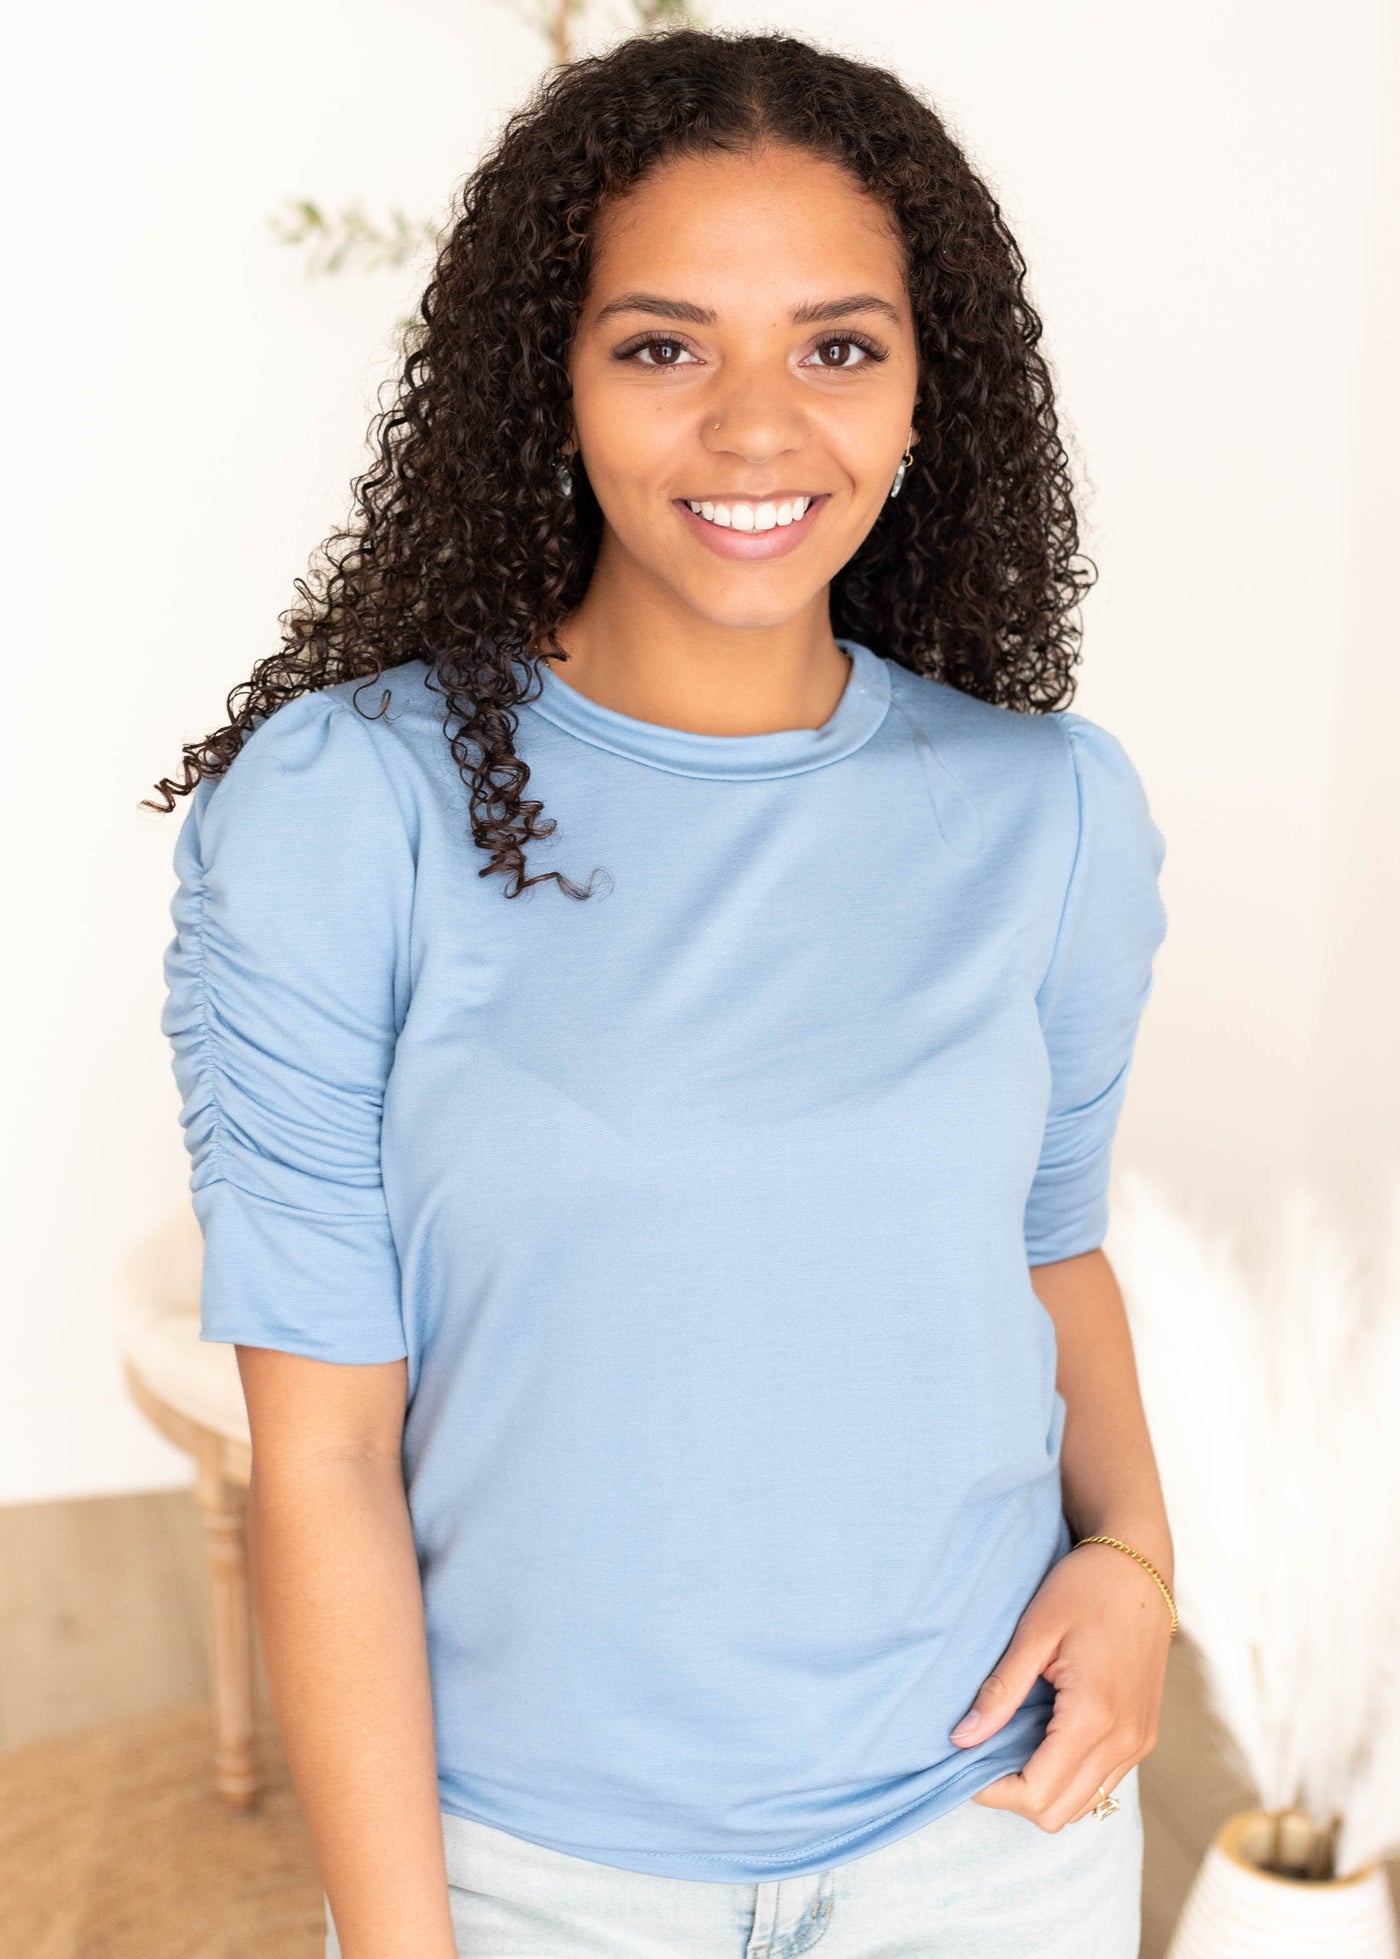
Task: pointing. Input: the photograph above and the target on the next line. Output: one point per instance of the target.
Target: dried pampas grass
(1273, 1396)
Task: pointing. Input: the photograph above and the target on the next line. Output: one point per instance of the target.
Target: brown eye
(676, 347)
(868, 350)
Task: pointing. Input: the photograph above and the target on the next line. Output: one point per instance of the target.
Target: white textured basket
(1235, 1910)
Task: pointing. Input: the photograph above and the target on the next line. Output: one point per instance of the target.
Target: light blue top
(703, 1210)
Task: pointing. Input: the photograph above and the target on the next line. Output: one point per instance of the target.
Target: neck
(636, 650)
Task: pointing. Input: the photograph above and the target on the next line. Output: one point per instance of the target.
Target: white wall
(1354, 1092)
(1210, 220)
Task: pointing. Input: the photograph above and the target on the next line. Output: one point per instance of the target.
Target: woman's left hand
(1099, 1630)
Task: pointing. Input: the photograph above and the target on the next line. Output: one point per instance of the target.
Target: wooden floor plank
(184, 1537)
(91, 1623)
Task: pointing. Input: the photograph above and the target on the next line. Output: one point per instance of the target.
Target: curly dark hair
(460, 548)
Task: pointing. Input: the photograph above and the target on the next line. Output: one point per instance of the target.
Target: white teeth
(751, 517)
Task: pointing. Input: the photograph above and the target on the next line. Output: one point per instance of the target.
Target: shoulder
(1015, 768)
(1055, 790)
(1061, 755)
(318, 777)
(977, 730)
(1113, 811)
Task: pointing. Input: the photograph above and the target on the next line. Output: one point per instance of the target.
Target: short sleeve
(286, 985)
(1094, 992)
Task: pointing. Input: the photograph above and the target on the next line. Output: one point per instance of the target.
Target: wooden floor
(102, 1614)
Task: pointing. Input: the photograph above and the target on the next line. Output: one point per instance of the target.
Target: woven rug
(113, 1845)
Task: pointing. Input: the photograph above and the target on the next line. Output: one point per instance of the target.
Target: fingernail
(968, 1725)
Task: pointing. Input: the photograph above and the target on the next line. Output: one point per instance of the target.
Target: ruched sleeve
(1094, 992)
(286, 984)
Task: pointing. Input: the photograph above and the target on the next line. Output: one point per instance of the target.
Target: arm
(289, 977)
(1098, 1628)
(1107, 1469)
(340, 1618)
(1093, 999)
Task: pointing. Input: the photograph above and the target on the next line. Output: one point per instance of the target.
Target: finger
(1082, 1733)
(1004, 1689)
(1007, 1792)
(1101, 1769)
(1107, 1783)
(1013, 1792)
(1059, 1782)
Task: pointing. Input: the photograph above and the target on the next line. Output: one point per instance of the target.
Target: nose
(750, 414)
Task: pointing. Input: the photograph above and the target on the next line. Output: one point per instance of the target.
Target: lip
(776, 543)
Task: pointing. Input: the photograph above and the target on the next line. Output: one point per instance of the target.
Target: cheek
(853, 448)
(632, 455)
(865, 445)
(636, 464)
(628, 427)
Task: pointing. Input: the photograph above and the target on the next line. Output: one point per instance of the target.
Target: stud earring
(564, 478)
(901, 472)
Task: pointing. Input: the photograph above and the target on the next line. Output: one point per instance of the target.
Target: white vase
(1236, 1910)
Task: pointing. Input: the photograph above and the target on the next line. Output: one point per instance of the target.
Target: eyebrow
(810, 314)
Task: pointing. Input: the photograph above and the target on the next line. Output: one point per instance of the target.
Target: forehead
(778, 220)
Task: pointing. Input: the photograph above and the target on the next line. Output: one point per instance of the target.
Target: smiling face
(745, 352)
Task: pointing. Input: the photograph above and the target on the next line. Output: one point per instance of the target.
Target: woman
(651, 1212)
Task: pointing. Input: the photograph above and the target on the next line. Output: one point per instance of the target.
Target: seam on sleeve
(1068, 741)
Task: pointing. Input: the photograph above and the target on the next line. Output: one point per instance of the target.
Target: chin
(750, 616)
(753, 595)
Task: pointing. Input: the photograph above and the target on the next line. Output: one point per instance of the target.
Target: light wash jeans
(975, 1883)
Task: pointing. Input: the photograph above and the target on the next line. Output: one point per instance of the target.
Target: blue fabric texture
(702, 1211)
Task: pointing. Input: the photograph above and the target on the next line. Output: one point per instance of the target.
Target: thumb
(1003, 1690)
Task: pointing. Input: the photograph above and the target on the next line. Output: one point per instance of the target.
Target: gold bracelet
(1147, 1565)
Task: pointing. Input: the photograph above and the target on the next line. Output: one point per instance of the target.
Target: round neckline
(862, 707)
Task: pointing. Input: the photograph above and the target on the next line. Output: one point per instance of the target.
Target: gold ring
(1106, 1803)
